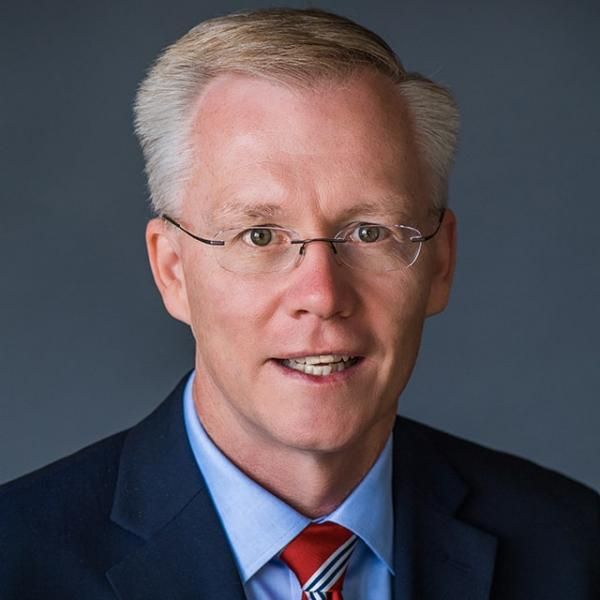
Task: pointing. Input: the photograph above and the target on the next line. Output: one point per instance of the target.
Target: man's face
(311, 161)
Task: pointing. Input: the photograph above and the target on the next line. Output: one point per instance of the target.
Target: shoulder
(45, 499)
(91, 470)
(56, 535)
(58, 531)
(509, 478)
(534, 512)
(90, 474)
(58, 516)
(545, 526)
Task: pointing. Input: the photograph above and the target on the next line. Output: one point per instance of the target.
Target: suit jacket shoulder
(501, 474)
(54, 521)
(128, 517)
(546, 526)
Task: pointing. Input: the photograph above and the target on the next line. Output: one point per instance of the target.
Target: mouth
(320, 365)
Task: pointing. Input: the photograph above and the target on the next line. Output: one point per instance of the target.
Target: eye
(368, 233)
(259, 236)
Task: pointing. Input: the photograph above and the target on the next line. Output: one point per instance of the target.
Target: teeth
(321, 359)
(321, 365)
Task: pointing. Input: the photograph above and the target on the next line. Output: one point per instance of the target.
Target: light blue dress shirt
(259, 525)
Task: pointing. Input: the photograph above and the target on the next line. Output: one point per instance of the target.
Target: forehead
(260, 146)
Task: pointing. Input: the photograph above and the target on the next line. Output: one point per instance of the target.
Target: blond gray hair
(291, 46)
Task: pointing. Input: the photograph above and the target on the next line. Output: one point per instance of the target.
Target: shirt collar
(259, 525)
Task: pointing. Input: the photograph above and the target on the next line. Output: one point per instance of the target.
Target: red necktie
(318, 556)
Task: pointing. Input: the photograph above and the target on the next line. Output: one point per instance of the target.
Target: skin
(319, 155)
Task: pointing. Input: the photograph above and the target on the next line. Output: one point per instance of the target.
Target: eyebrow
(394, 205)
(238, 210)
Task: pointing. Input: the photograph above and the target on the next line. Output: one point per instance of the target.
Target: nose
(319, 284)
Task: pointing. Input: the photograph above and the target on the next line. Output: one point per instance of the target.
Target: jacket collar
(183, 552)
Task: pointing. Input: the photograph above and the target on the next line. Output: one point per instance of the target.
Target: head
(303, 120)
(298, 48)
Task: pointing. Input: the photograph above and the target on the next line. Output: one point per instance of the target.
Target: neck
(312, 482)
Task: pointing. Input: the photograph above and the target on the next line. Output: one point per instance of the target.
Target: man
(298, 173)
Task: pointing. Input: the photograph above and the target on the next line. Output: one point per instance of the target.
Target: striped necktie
(318, 556)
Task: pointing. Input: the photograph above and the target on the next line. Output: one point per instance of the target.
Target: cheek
(227, 312)
(397, 308)
(399, 299)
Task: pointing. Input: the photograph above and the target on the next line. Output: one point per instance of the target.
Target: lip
(327, 352)
(332, 378)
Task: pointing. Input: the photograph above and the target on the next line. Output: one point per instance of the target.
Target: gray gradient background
(86, 347)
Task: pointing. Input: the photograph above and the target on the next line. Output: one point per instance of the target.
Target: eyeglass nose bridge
(331, 241)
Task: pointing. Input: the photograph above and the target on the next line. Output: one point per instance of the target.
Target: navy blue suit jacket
(130, 518)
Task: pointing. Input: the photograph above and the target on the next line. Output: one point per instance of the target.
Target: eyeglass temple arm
(196, 237)
(424, 238)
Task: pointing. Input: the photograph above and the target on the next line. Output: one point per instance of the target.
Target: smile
(320, 365)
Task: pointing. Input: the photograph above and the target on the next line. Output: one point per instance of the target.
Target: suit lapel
(161, 498)
(436, 555)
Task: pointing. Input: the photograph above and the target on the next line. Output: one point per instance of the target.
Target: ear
(442, 264)
(167, 269)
